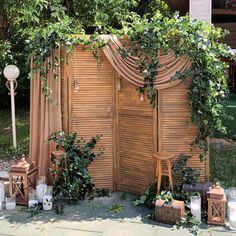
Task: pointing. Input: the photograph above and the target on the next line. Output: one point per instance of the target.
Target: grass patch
(22, 131)
(229, 124)
(223, 164)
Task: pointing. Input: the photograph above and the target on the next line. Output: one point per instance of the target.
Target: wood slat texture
(130, 128)
(175, 131)
(136, 141)
(92, 109)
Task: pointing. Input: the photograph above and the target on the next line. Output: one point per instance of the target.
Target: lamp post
(11, 72)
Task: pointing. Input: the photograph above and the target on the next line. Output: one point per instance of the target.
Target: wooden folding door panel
(136, 139)
(91, 109)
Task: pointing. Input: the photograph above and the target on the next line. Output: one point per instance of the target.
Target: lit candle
(47, 202)
(40, 191)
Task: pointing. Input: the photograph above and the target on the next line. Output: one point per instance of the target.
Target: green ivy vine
(201, 42)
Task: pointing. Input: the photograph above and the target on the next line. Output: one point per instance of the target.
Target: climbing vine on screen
(44, 25)
(201, 42)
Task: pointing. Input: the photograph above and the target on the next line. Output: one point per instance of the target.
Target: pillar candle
(32, 202)
(232, 215)
(40, 191)
(2, 192)
(10, 206)
(195, 206)
(47, 202)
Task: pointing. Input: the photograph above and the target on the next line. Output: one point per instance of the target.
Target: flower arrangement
(230, 4)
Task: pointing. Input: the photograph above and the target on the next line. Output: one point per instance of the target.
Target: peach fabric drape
(45, 115)
(128, 68)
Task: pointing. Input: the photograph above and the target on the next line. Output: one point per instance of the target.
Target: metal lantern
(216, 205)
(22, 176)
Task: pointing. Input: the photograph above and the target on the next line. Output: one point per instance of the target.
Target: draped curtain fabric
(128, 68)
(45, 117)
(45, 113)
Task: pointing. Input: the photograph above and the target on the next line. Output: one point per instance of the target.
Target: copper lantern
(22, 176)
(216, 205)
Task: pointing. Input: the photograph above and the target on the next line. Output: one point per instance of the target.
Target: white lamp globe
(11, 72)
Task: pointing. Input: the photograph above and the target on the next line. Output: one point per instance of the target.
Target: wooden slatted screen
(175, 131)
(136, 140)
(128, 125)
(92, 109)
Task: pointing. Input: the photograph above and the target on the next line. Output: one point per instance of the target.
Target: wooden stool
(163, 157)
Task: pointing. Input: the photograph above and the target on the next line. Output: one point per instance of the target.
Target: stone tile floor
(92, 218)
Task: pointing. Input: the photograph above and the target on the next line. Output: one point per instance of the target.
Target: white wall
(200, 10)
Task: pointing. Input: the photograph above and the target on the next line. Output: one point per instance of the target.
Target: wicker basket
(169, 212)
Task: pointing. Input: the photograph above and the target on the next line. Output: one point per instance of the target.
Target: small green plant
(188, 174)
(102, 192)
(33, 210)
(94, 206)
(167, 196)
(72, 180)
(117, 208)
(59, 208)
(149, 197)
(123, 196)
(179, 164)
(188, 221)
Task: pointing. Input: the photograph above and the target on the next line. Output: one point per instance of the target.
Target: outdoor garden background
(33, 25)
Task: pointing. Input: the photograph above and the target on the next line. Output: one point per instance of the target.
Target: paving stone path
(92, 218)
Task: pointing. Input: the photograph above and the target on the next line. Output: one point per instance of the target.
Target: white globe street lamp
(11, 72)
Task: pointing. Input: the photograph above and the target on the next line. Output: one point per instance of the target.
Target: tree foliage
(37, 26)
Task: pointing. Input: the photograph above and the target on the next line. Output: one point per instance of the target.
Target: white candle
(47, 202)
(40, 191)
(232, 221)
(32, 203)
(10, 206)
(232, 215)
(196, 211)
(2, 192)
(0, 205)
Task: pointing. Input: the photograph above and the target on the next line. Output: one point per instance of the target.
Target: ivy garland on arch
(200, 41)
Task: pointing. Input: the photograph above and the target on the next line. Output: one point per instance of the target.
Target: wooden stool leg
(168, 164)
(159, 164)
